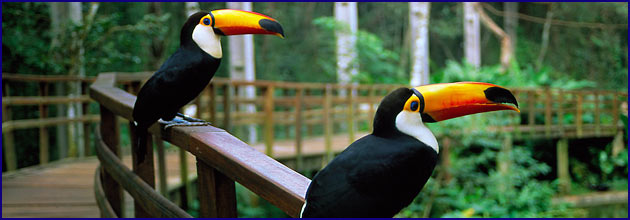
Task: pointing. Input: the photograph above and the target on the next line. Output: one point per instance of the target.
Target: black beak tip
(500, 95)
(272, 26)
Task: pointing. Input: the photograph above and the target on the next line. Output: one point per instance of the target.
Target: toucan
(189, 70)
(382, 172)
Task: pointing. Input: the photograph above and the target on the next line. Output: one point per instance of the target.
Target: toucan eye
(413, 106)
(206, 21)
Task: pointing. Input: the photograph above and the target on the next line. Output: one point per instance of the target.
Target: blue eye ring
(206, 21)
(414, 106)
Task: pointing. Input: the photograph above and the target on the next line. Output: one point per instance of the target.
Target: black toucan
(189, 70)
(381, 173)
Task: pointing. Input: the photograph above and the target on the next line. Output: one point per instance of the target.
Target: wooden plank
(161, 161)
(46, 122)
(217, 193)
(41, 100)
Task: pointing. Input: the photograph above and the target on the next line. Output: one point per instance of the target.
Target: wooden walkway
(66, 188)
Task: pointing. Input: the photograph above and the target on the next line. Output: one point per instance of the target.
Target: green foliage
(377, 64)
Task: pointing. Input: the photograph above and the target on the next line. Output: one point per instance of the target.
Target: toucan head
(205, 28)
(407, 109)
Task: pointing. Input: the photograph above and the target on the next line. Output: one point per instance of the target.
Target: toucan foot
(180, 122)
(190, 119)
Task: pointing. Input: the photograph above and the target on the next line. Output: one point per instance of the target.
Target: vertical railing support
(328, 127)
(110, 133)
(217, 195)
(268, 120)
(350, 113)
(43, 131)
(578, 116)
(144, 169)
(548, 107)
(298, 128)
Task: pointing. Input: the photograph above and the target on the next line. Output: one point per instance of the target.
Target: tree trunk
(472, 49)
(75, 130)
(347, 65)
(58, 18)
(510, 22)
(545, 36)
(158, 46)
(243, 67)
(191, 8)
(506, 43)
(419, 25)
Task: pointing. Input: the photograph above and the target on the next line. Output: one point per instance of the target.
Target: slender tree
(243, 66)
(472, 45)
(419, 25)
(347, 65)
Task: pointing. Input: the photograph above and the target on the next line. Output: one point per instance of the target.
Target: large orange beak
(450, 100)
(233, 22)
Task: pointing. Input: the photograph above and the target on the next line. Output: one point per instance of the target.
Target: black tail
(141, 147)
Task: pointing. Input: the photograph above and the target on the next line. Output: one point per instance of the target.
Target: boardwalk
(65, 188)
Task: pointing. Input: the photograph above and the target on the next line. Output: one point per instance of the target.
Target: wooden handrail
(277, 108)
(215, 149)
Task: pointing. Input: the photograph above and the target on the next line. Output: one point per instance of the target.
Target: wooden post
(185, 191)
(287, 128)
(110, 133)
(564, 180)
(144, 169)
(212, 105)
(350, 114)
(328, 129)
(578, 116)
(227, 107)
(615, 109)
(161, 161)
(43, 131)
(598, 128)
(8, 143)
(298, 128)
(309, 127)
(531, 108)
(268, 120)
(87, 131)
(548, 107)
(217, 194)
(371, 92)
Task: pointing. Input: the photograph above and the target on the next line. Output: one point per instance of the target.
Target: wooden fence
(222, 159)
(285, 110)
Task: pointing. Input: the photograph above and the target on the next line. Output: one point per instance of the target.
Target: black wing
(373, 177)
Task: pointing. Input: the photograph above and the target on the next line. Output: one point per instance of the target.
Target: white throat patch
(208, 41)
(411, 124)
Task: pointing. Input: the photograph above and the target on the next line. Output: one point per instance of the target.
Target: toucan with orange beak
(381, 173)
(189, 70)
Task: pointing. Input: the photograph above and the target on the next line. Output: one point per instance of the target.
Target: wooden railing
(295, 111)
(222, 159)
